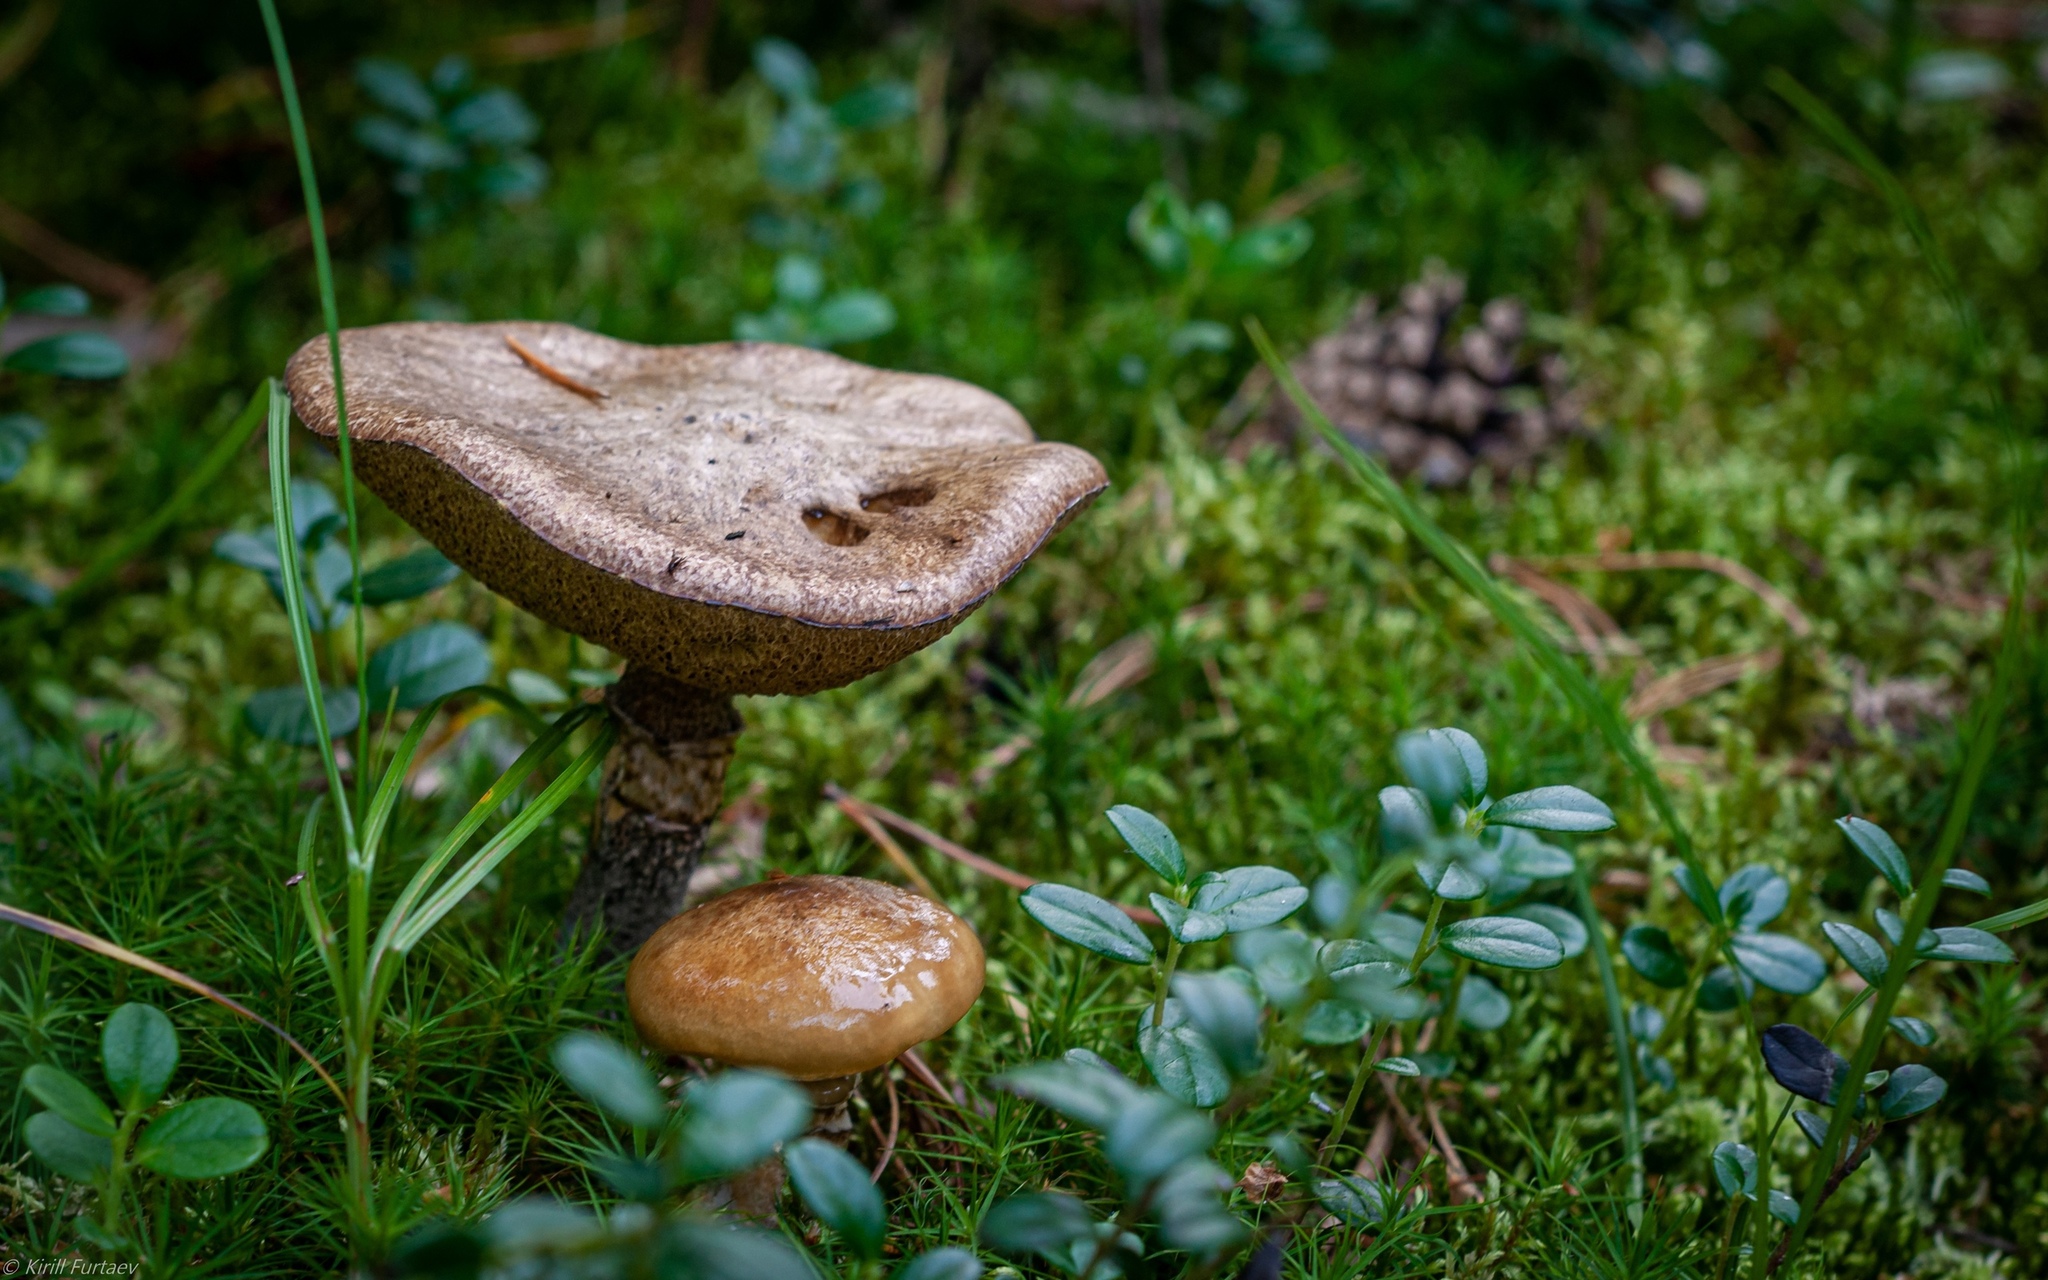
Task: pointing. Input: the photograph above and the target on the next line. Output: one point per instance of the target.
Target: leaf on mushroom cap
(813, 977)
(745, 517)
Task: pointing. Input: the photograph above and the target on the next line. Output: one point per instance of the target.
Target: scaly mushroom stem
(664, 782)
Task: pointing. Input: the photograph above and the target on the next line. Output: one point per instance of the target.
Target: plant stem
(1165, 979)
(117, 1174)
(1617, 1027)
(1379, 1031)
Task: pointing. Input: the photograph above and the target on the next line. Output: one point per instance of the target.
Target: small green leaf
(1784, 1208)
(85, 356)
(1721, 990)
(1351, 958)
(1911, 1090)
(1961, 942)
(876, 105)
(1154, 1134)
(1149, 838)
(1227, 1015)
(70, 1098)
(18, 434)
(1778, 962)
(1552, 809)
(1434, 766)
(1079, 1089)
(1811, 1125)
(425, 663)
(1735, 1170)
(854, 315)
(836, 1189)
(1697, 889)
(1397, 1066)
(950, 1263)
(1649, 952)
(1570, 930)
(1876, 844)
(1522, 854)
(1436, 1065)
(1045, 1223)
(1861, 950)
(735, 1120)
(204, 1138)
(1754, 896)
(1181, 1059)
(1334, 1022)
(611, 1078)
(280, 715)
(1508, 941)
(1405, 820)
(139, 1049)
(1916, 1032)
(1483, 1006)
(70, 1150)
(1645, 1022)
(1086, 921)
(786, 68)
(1249, 897)
(1352, 1198)
(409, 577)
(1185, 925)
(54, 300)
(1452, 880)
(1894, 929)
(1969, 881)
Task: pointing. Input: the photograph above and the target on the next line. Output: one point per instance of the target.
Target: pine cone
(1430, 403)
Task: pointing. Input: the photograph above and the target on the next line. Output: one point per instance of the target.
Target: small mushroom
(818, 978)
(733, 518)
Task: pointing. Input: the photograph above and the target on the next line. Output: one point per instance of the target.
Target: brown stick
(958, 853)
(1679, 687)
(926, 1076)
(866, 823)
(552, 374)
(1628, 561)
(889, 1142)
(1596, 631)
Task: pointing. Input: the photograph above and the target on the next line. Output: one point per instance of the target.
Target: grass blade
(114, 951)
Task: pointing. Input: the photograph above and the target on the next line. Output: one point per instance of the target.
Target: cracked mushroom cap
(744, 517)
(811, 976)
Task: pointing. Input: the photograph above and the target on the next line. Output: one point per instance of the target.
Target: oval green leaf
(1911, 1090)
(1249, 897)
(1510, 942)
(1481, 1005)
(70, 1150)
(736, 1119)
(426, 663)
(1962, 942)
(1086, 921)
(1186, 925)
(139, 1049)
(1150, 839)
(1916, 1031)
(1570, 930)
(204, 1138)
(836, 1189)
(1861, 950)
(70, 1097)
(280, 715)
(85, 356)
(1735, 1170)
(1552, 809)
(1181, 1059)
(409, 577)
(1335, 1022)
(1649, 952)
(611, 1078)
(1876, 844)
(1778, 962)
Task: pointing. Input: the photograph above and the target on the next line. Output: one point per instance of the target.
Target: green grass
(1777, 385)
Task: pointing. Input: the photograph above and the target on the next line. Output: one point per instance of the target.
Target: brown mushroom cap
(811, 976)
(744, 517)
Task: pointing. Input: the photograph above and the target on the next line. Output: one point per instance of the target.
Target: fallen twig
(1629, 561)
(1594, 628)
(861, 818)
(552, 374)
(1679, 687)
(889, 1142)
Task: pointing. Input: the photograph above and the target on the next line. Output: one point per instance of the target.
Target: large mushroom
(732, 518)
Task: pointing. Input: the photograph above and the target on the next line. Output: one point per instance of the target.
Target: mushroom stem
(663, 784)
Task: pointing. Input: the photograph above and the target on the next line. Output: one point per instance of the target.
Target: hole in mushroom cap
(896, 499)
(833, 529)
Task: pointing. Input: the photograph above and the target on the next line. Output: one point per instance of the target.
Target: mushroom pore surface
(811, 976)
(743, 517)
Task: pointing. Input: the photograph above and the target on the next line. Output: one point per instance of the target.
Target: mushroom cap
(745, 517)
(811, 976)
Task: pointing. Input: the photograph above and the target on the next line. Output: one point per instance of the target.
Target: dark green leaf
(1150, 1137)
(786, 68)
(1915, 1031)
(1434, 766)
(876, 105)
(1784, 1208)
(1398, 1066)
(1351, 958)
(139, 1049)
(736, 1119)
(1894, 929)
(1735, 1170)
(1861, 950)
(1282, 962)
(1968, 881)
(1353, 1199)
(1876, 844)
(950, 1263)
(1911, 1090)
(407, 578)
(426, 663)
(1811, 1125)
(1801, 1064)
(1405, 821)
(1249, 897)
(1334, 1022)
(1185, 925)
(1568, 928)
(1226, 1014)
(1523, 854)
(1968, 944)
(1435, 1065)
(1697, 889)
(204, 1138)
(70, 1098)
(1778, 962)
(1645, 1022)
(280, 715)
(66, 1148)
(1086, 921)
(1483, 1006)
(1079, 1089)
(14, 582)
(1149, 838)
(1181, 1059)
(393, 86)
(54, 300)
(699, 1250)
(632, 1177)
(18, 434)
(1649, 952)
(1721, 990)
(1552, 809)
(85, 356)
(1188, 1204)
(1508, 941)
(1044, 1223)
(494, 118)
(836, 1189)
(1754, 896)
(1454, 880)
(611, 1078)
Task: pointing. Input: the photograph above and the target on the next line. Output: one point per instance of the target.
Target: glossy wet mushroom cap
(742, 517)
(814, 977)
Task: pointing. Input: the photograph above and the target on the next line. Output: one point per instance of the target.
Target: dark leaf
(1335, 1022)
(1552, 809)
(951, 1263)
(1150, 839)
(82, 355)
(1483, 1006)
(836, 1189)
(1911, 1090)
(1778, 962)
(66, 1148)
(425, 663)
(139, 1050)
(736, 1119)
(1079, 1089)
(611, 1078)
(18, 434)
(1735, 1170)
(1876, 844)
(1722, 989)
(1352, 1199)
(1086, 921)
(1226, 1014)
(1915, 1031)
(1249, 897)
(281, 715)
(1508, 941)
(204, 1138)
(1814, 1127)
(1968, 881)
(1649, 952)
(1801, 1064)
(70, 1098)
(1185, 925)
(1862, 951)
(1181, 1059)
(54, 300)
(1568, 928)
(1043, 1223)
(1965, 943)
(407, 578)
(1754, 896)
(1154, 1134)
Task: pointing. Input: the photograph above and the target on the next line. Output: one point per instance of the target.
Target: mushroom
(732, 518)
(818, 978)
